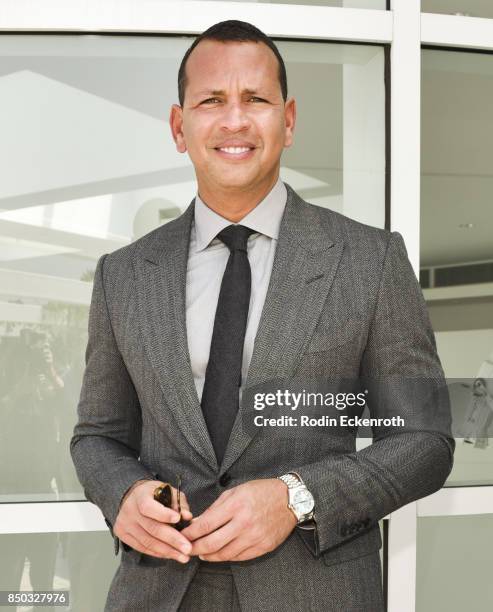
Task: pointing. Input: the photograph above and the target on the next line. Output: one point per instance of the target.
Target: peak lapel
(304, 267)
(161, 268)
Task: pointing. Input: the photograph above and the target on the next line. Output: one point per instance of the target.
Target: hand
(144, 524)
(50, 366)
(245, 522)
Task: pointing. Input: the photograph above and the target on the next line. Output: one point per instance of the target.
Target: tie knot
(235, 237)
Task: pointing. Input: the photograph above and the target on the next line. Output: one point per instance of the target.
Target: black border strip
(385, 563)
(335, 41)
(388, 148)
(429, 47)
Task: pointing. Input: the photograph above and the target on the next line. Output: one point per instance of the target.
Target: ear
(290, 121)
(176, 125)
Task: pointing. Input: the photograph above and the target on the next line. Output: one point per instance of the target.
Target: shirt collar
(265, 218)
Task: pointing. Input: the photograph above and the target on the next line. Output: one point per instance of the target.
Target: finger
(187, 515)
(151, 508)
(185, 508)
(165, 533)
(249, 553)
(216, 540)
(142, 541)
(208, 521)
(228, 552)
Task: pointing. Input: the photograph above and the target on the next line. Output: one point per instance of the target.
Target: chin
(233, 180)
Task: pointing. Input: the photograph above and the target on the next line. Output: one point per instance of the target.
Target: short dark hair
(232, 30)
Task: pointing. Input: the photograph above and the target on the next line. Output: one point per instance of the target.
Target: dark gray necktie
(220, 397)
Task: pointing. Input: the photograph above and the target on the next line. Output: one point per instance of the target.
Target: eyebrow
(221, 92)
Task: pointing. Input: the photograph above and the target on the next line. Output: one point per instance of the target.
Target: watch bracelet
(291, 480)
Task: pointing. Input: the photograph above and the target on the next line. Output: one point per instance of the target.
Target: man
(479, 416)
(251, 285)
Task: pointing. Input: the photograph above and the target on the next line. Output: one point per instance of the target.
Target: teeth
(235, 150)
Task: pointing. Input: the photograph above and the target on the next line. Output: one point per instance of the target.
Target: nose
(235, 118)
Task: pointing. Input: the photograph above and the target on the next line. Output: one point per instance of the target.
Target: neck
(234, 204)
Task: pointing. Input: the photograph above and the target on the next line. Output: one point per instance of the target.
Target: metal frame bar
(457, 501)
(455, 31)
(50, 517)
(401, 560)
(188, 17)
(405, 118)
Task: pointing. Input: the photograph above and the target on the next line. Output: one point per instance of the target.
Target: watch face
(303, 501)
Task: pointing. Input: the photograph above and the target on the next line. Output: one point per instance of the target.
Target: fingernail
(183, 559)
(201, 557)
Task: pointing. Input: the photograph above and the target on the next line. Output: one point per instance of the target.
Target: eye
(257, 98)
(210, 100)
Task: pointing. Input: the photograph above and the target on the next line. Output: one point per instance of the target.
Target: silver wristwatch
(300, 500)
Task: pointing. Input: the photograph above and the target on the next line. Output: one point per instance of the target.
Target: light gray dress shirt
(207, 259)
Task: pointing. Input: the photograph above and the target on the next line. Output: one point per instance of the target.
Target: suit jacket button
(225, 479)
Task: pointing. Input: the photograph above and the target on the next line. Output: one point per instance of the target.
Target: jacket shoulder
(358, 237)
(117, 268)
(337, 226)
(155, 239)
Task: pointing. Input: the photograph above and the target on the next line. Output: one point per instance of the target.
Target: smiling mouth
(234, 149)
(235, 152)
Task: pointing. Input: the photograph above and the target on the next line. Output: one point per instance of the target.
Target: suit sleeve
(105, 446)
(354, 491)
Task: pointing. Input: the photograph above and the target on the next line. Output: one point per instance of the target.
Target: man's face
(234, 123)
(483, 387)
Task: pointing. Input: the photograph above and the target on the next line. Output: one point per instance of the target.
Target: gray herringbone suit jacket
(342, 301)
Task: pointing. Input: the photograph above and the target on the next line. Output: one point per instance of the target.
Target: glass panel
(92, 167)
(471, 8)
(82, 563)
(454, 564)
(338, 157)
(456, 241)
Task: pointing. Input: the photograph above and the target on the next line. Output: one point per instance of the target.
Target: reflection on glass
(93, 167)
(361, 4)
(457, 245)
(453, 566)
(41, 371)
(470, 8)
(472, 425)
(81, 563)
(477, 422)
